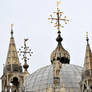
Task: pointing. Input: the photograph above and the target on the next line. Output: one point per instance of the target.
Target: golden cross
(58, 19)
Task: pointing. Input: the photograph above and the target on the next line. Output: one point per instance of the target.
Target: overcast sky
(30, 19)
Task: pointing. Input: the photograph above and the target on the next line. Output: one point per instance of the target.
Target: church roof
(42, 79)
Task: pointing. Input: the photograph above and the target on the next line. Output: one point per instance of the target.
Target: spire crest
(87, 38)
(12, 30)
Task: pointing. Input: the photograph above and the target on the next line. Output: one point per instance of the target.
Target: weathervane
(58, 19)
(26, 52)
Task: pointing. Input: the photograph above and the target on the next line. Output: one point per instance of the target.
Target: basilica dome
(60, 76)
(42, 79)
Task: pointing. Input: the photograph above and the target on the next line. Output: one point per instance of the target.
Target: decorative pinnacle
(87, 39)
(25, 51)
(12, 30)
(58, 19)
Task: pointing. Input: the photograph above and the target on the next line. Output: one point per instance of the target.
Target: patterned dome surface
(42, 79)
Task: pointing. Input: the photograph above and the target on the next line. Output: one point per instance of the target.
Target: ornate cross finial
(26, 52)
(58, 19)
(12, 30)
(87, 39)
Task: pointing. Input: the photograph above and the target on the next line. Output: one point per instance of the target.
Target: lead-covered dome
(42, 79)
(60, 53)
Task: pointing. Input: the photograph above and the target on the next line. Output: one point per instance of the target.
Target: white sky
(30, 18)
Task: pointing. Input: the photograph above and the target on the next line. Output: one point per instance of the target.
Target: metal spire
(12, 30)
(58, 19)
(87, 39)
(25, 51)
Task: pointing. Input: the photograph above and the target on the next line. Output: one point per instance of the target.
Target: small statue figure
(57, 67)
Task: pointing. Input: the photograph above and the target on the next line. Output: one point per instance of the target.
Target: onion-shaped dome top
(42, 79)
(60, 53)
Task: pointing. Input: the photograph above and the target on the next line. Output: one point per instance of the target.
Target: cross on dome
(59, 53)
(58, 19)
